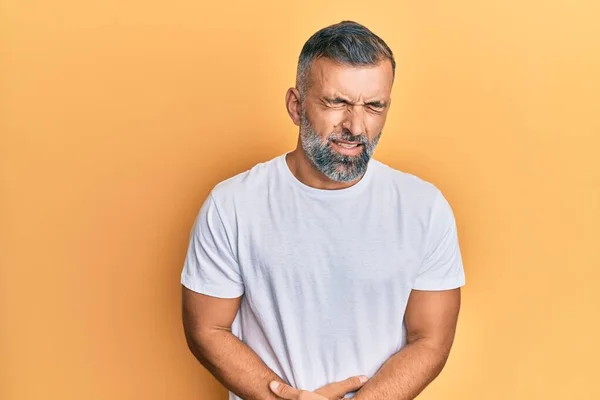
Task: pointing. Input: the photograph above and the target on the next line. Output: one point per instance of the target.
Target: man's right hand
(332, 391)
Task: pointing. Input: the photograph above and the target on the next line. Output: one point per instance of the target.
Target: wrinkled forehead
(330, 78)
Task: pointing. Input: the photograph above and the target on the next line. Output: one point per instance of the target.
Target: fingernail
(363, 378)
(274, 385)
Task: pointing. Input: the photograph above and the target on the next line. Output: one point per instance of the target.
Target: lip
(346, 142)
(353, 151)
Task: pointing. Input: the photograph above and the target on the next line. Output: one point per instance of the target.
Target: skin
(207, 325)
(431, 324)
(340, 100)
(431, 316)
(346, 101)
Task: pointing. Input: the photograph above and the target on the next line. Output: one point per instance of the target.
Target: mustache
(348, 137)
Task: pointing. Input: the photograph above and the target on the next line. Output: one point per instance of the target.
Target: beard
(335, 166)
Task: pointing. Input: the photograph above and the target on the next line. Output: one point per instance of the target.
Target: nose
(354, 121)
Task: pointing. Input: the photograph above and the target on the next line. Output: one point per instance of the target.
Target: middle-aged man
(323, 273)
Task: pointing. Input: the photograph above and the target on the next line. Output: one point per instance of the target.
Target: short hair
(346, 42)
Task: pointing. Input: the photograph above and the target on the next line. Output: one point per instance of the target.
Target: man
(322, 269)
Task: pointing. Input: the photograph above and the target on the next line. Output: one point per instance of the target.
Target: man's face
(343, 115)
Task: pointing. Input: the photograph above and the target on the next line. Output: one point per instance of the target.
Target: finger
(336, 390)
(284, 391)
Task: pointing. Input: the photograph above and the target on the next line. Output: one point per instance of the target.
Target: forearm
(404, 375)
(234, 364)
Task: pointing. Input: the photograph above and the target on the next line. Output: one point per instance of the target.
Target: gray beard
(336, 166)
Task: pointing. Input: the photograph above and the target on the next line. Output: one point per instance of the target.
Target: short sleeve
(442, 267)
(210, 266)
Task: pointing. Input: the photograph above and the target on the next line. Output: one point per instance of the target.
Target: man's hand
(333, 391)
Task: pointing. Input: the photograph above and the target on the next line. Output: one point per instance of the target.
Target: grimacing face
(342, 116)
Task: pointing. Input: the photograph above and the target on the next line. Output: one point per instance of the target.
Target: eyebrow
(340, 100)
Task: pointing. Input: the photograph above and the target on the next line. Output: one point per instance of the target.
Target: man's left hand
(332, 391)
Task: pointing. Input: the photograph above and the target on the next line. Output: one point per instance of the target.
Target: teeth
(347, 146)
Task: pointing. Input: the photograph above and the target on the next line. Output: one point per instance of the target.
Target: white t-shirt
(325, 274)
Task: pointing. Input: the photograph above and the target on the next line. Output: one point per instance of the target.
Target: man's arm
(207, 324)
(431, 318)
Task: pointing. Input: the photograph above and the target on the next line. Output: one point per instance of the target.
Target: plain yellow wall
(118, 117)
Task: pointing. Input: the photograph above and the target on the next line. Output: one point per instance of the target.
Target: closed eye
(338, 101)
(376, 105)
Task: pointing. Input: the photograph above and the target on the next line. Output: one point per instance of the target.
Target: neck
(304, 170)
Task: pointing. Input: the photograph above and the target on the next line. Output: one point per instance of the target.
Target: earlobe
(292, 103)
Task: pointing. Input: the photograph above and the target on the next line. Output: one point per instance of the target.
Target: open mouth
(346, 145)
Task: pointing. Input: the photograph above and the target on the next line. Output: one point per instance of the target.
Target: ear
(293, 105)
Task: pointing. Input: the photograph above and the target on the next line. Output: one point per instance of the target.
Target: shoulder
(420, 203)
(418, 199)
(410, 187)
(245, 185)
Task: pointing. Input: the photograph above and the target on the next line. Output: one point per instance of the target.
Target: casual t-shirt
(325, 274)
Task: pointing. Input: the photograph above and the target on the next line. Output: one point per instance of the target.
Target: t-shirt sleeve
(210, 266)
(442, 267)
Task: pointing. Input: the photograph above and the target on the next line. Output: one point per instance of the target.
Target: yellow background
(118, 117)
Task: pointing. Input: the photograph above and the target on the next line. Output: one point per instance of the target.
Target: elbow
(203, 342)
(438, 345)
(197, 340)
(437, 352)
(202, 347)
(194, 343)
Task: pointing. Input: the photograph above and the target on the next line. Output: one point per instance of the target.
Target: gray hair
(346, 42)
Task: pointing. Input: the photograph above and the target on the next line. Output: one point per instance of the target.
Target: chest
(326, 248)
